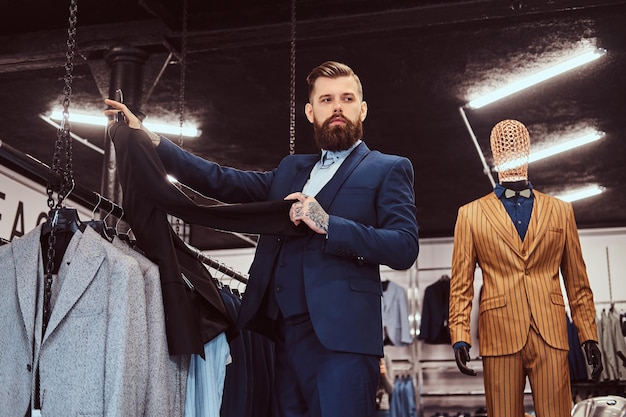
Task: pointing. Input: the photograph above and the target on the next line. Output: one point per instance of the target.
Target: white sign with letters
(23, 204)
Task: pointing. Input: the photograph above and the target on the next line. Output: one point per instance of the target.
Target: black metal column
(127, 70)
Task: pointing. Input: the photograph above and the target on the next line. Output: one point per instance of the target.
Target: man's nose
(337, 108)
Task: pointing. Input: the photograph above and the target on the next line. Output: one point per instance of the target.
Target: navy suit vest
(286, 291)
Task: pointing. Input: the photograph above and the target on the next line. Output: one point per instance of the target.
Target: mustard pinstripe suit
(522, 310)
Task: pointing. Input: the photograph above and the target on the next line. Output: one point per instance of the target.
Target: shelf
(460, 393)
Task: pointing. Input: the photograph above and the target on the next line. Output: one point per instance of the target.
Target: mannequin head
(510, 147)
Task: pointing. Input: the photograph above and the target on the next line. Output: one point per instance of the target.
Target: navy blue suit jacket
(370, 201)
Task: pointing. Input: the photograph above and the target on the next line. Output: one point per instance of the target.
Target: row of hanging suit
(612, 343)
(142, 332)
(104, 350)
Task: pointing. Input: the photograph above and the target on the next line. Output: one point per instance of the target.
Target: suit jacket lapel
(500, 220)
(327, 194)
(540, 218)
(26, 257)
(85, 255)
(302, 174)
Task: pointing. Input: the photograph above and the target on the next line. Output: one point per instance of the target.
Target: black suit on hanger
(434, 325)
(193, 316)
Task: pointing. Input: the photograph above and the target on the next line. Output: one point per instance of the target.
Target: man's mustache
(336, 118)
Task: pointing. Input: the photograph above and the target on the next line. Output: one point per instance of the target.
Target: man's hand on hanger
(131, 119)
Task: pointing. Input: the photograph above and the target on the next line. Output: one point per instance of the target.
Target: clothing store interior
(226, 81)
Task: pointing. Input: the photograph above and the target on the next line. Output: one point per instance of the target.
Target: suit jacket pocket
(366, 285)
(557, 298)
(86, 311)
(493, 302)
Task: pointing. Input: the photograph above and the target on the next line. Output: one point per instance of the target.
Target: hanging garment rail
(24, 163)
(37, 170)
(218, 266)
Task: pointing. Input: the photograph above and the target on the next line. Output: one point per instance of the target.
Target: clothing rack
(219, 266)
(34, 169)
(37, 170)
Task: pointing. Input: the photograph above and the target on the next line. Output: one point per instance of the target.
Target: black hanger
(62, 219)
(64, 222)
(98, 226)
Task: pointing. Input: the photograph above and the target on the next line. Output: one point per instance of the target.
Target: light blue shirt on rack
(325, 168)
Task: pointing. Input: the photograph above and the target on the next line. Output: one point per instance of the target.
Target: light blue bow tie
(328, 160)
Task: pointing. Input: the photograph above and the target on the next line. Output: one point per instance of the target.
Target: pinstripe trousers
(547, 370)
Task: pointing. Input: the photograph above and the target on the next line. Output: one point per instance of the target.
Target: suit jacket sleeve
(226, 184)
(394, 240)
(462, 279)
(576, 282)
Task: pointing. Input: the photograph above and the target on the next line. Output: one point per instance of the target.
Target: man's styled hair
(332, 69)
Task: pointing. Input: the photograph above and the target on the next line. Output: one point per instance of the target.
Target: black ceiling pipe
(127, 68)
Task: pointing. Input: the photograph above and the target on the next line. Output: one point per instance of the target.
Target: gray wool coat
(92, 359)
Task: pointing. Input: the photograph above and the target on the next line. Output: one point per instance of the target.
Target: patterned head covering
(510, 147)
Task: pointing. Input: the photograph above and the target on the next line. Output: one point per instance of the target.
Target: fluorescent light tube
(73, 135)
(565, 146)
(189, 131)
(548, 73)
(581, 193)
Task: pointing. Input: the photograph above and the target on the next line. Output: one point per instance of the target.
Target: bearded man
(318, 296)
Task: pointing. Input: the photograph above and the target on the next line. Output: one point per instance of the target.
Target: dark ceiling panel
(420, 62)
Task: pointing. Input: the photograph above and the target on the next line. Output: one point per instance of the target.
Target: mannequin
(522, 321)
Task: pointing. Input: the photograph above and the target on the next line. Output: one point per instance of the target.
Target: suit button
(523, 253)
(29, 367)
(278, 240)
(279, 289)
(527, 272)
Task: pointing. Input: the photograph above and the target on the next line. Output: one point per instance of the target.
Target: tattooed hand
(309, 211)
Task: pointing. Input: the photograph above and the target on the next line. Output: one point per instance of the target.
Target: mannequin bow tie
(508, 193)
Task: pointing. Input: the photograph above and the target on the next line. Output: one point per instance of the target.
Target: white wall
(23, 204)
(604, 251)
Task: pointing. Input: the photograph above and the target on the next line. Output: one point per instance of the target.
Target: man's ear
(363, 110)
(308, 110)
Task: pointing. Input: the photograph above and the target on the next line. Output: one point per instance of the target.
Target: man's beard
(337, 137)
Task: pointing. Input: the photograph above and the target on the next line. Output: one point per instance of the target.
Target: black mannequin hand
(594, 358)
(462, 357)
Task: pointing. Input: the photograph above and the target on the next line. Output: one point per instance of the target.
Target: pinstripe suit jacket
(520, 279)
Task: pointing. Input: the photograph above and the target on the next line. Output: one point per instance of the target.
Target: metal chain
(64, 141)
(292, 89)
(64, 130)
(183, 65)
(181, 94)
(608, 267)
